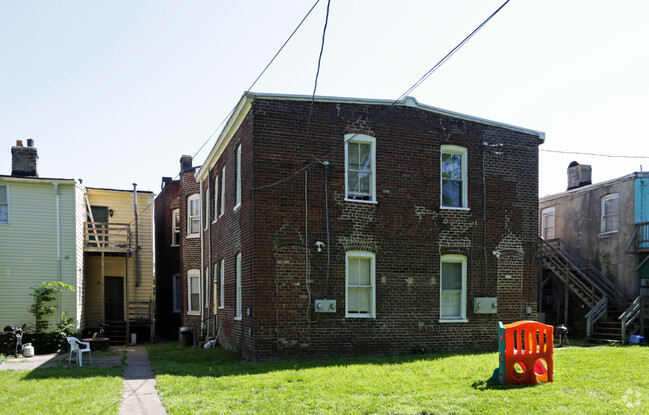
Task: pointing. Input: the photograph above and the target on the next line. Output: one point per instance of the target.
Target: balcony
(106, 237)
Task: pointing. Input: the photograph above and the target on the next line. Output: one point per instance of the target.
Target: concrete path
(139, 395)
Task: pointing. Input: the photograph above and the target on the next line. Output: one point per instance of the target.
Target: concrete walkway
(139, 395)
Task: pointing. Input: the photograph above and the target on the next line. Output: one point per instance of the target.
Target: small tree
(42, 295)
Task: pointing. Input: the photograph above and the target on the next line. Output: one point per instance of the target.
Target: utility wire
(594, 154)
(258, 77)
(388, 108)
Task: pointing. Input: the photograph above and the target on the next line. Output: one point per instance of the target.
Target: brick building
(350, 226)
(177, 252)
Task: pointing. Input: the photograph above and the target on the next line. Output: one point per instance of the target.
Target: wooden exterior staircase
(611, 318)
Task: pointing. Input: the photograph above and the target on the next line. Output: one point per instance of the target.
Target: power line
(594, 154)
(260, 75)
(389, 107)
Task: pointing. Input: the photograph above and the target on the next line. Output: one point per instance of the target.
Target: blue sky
(115, 92)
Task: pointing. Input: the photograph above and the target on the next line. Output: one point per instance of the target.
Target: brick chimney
(24, 160)
(185, 163)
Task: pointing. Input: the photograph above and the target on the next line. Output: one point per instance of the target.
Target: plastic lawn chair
(75, 347)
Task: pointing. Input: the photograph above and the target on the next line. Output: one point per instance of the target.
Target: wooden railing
(640, 239)
(595, 314)
(109, 237)
(632, 314)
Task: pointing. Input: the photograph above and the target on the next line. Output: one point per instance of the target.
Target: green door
(114, 298)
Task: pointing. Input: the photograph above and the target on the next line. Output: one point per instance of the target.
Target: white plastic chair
(74, 347)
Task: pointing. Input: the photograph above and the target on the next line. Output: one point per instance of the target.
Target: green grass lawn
(593, 380)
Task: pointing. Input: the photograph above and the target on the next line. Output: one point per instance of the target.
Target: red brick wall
(406, 230)
(190, 248)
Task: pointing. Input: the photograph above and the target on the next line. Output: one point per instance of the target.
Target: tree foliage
(43, 295)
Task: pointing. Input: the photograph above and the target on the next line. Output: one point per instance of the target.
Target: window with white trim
(216, 198)
(547, 223)
(360, 164)
(610, 213)
(238, 306)
(175, 227)
(238, 198)
(206, 287)
(215, 288)
(222, 191)
(207, 206)
(193, 215)
(360, 282)
(454, 177)
(193, 291)
(222, 285)
(453, 288)
(176, 293)
(4, 204)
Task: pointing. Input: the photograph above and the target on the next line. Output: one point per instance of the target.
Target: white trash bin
(133, 338)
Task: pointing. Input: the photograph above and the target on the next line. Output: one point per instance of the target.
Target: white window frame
(351, 255)
(216, 198)
(606, 216)
(175, 227)
(362, 139)
(176, 293)
(238, 181)
(238, 310)
(207, 207)
(193, 216)
(222, 285)
(193, 275)
(461, 259)
(222, 191)
(463, 153)
(5, 204)
(546, 214)
(215, 287)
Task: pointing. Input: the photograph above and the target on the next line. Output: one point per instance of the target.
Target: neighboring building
(348, 226)
(602, 231)
(59, 230)
(178, 260)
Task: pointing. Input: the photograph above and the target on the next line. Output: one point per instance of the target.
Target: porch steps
(116, 332)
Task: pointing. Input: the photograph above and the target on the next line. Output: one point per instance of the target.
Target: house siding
(406, 230)
(28, 248)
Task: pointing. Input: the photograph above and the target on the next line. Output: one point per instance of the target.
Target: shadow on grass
(171, 359)
(74, 372)
(491, 384)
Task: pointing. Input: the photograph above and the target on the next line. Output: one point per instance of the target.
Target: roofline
(118, 190)
(588, 187)
(248, 97)
(36, 179)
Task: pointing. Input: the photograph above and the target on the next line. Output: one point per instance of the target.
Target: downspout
(138, 277)
(209, 262)
(202, 274)
(58, 248)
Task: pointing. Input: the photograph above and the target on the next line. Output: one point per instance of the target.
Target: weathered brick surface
(406, 229)
(283, 273)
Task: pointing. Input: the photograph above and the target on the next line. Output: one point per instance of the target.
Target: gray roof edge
(407, 102)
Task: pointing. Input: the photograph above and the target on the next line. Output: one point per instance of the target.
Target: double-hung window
(360, 275)
(454, 177)
(222, 191)
(193, 215)
(610, 213)
(175, 227)
(175, 280)
(222, 285)
(238, 183)
(4, 204)
(453, 288)
(238, 307)
(360, 162)
(207, 206)
(193, 291)
(216, 198)
(547, 223)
